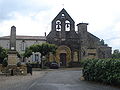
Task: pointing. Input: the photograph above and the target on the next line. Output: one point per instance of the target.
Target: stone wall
(0, 67)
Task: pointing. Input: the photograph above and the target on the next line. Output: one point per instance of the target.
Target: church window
(75, 56)
(67, 26)
(63, 15)
(58, 25)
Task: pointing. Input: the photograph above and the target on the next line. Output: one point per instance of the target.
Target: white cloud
(25, 25)
(116, 43)
(33, 17)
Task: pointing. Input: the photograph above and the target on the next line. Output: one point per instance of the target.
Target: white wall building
(22, 42)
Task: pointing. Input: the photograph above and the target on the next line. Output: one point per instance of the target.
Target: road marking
(32, 85)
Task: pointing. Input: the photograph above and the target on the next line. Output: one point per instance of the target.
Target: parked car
(54, 65)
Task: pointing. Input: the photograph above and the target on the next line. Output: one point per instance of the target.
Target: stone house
(22, 42)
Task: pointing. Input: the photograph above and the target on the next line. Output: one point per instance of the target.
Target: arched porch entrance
(63, 55)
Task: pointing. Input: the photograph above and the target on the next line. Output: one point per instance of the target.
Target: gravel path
(11, 80)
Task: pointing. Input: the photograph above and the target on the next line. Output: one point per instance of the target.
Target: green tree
(3, 54)
(116, 54)
(102, 42)
(28, 53)
(44, 49)
(5, 62)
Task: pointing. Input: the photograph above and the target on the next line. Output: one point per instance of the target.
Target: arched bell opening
(58, 25)
(67, 25)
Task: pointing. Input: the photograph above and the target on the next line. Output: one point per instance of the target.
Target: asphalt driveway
(66, 80)
(59, 79)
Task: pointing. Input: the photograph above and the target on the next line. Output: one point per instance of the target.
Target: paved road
(60, 80)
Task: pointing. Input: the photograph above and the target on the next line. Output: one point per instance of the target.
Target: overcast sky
(33, 17)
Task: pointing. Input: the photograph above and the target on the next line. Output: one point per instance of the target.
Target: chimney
(82, 27)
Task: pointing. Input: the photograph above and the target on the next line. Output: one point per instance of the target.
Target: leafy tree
(5, 63)
(44, 49)
(3, 54)
(18, 55)
(102, 42)
(116, 53)
(28, 52)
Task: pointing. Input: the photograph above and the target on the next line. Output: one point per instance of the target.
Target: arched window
(67, 25)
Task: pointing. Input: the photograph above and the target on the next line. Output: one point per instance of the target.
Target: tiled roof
(20, 37)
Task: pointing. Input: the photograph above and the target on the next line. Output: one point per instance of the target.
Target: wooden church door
(63, 59)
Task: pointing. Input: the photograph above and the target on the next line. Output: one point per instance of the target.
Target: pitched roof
(93, 36)
(63, 11)
(21, 37)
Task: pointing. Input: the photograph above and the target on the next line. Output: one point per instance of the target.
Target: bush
(3, 54)
(102, 70)
(4, 63)
(18, 64)
(35, 65)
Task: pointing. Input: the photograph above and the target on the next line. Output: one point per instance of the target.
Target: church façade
(74, 46)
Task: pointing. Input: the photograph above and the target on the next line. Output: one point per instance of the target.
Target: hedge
(102, 70)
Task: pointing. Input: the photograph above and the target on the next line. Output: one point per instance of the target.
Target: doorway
(63, 60)
(63, 55)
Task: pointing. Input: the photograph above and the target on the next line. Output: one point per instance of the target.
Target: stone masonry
(81, 44)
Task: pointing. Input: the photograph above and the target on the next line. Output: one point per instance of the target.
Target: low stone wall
(24, 69)
(0, 67)
(14, 70)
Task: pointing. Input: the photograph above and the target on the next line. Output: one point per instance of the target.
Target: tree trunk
(41, 62)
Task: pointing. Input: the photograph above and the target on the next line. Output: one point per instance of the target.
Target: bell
(58, 27)
(67, 25)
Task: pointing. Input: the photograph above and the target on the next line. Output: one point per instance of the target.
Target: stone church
(74, 46)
